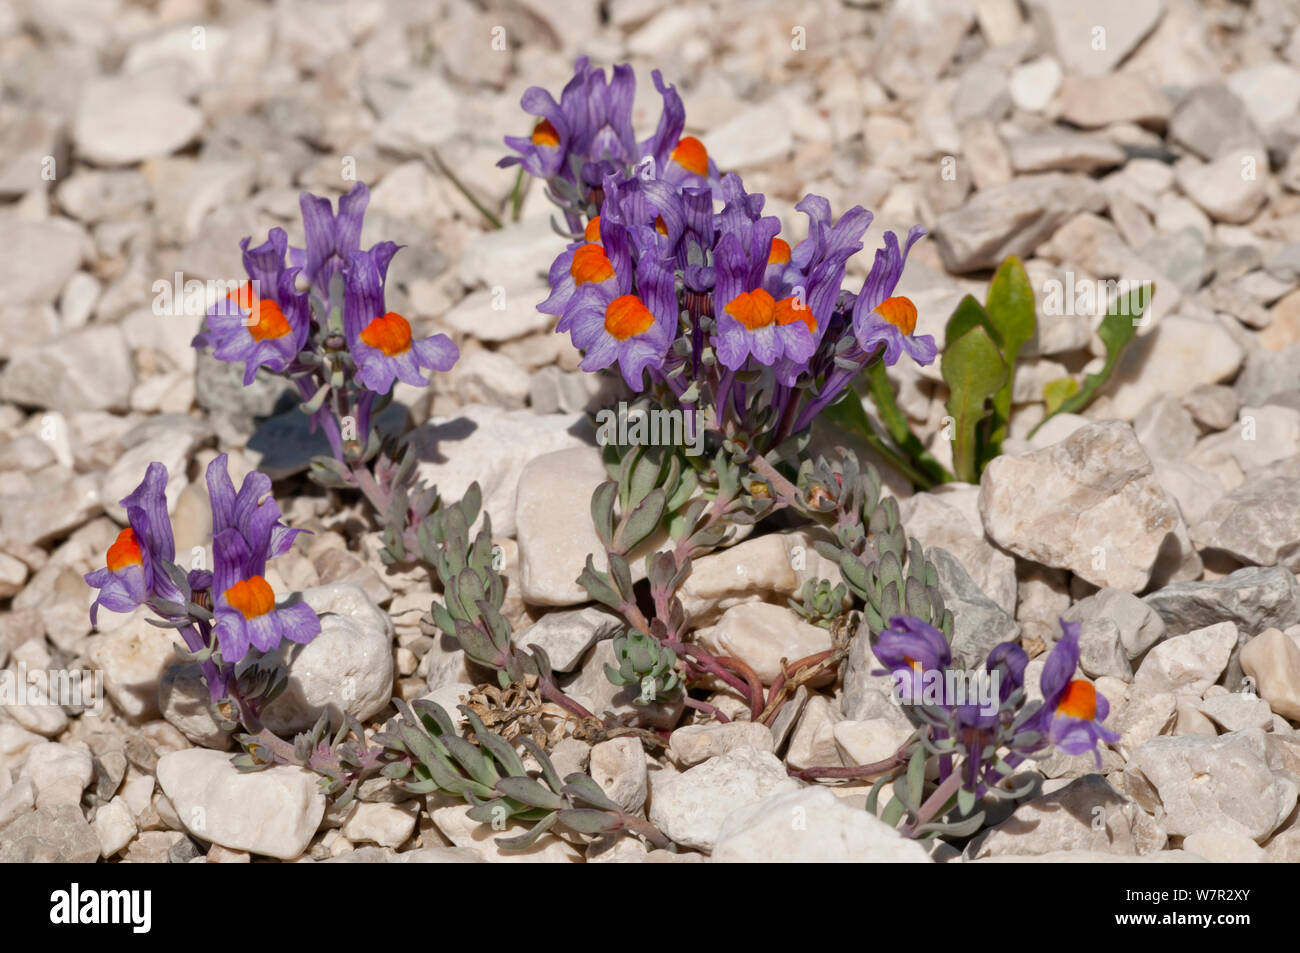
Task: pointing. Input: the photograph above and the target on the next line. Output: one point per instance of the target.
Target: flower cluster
(983, 727)
(317, 316)
(223, 612)
(676, 275)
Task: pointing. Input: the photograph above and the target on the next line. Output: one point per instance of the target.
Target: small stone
(692, 744)
(185, 702)
(59, 771)
(1095, 101)
(1071, 29)
(1090, 504)
(1222, 188)
(1063, 152)
(813, 742)
(619, 767)
(1012, 219)
(1237, 711)
(1139, 626)
(1254, 598)
(491, 316)
(122, 120)
(754, 136)
(56, 834)
(114, 825)
(937, 523)
(566, 635)
(1213, 406)
(869, 741)
(1174, 357)
(691, 807)
(348, 667)
(382, 823)
(761, 635)
(831, 832)
(1188, 663)
(979, 623)
(1033, 84)
(1258, 523)
(1273, 661)
(274, 812)
(86, 370)
(1212, 118)
(1271, 92)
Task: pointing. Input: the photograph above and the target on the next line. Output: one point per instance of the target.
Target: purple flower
(380, 341)
(879, 318)
(1006, 662)
(749, 319)
(911, 648)
(594, 261)
(611, 323)
(1072, 713)
(246, 532)
(264, 322)
(134, 568)
(330, 238)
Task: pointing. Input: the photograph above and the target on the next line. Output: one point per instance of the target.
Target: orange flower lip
(900, 312)
(627, 317)
(125, 551)
(592, 232)
(754, 309)
(691, 155)
(780, 253)
(271, 322)
(590, 264)
(1079, 701)
(790, 310)
(252, 597)
(544, 134)
(390, 333)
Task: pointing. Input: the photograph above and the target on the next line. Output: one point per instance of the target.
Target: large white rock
(811, 825)
(691, 807)
(274, 812)
(348, 667)
(90, 369)
(554, 529)
(1090, 504)
(133, 659)
(1194, 782)
(491, 446)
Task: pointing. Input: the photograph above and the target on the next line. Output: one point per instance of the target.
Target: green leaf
(528, 838)
(1010, 309)
(1057, 392)
(916, 776)
(527, 791)
(589, 822)
(974, 370)
(636, 527)
(602, 511)
(895, 421)
(968, 314)
(1116, 331)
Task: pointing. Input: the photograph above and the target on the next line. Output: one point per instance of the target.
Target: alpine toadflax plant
(675, 275)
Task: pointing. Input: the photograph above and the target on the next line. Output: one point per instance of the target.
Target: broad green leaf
(968, 314)
(973, 370)
(1010, 310)
(1116, 331)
